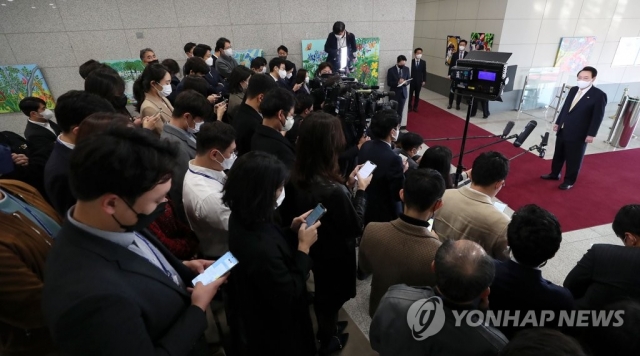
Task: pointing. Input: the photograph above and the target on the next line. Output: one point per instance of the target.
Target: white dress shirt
(207, 215)
(46, 125)
(69, 145)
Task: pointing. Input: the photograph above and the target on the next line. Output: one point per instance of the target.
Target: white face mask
(289, 75)
(209, 61)
(394, 138)
(264, 70)
(47, 114)
(583, 84)
(338, 36)
(228, 52)
(288, 124)
(227, 163)
(461, 48)
(306, 80)
(280, 198)
(166, 90)
(198, 124)
(418, 56)
(196, 129)
(282, 73)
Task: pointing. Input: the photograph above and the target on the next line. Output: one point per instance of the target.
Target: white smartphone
(404, 158)
(366, 169)
(217, 269)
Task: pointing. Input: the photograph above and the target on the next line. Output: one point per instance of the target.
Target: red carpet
(606, 182)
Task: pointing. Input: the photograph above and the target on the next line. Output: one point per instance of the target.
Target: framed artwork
(481, 41)
(574, 53)
(20, 81)
(129, 70)
(452, 47)
(244, 57)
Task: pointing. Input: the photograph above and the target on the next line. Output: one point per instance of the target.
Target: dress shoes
(449, 106)
(457, 107)
(550, 177)
(415, 109)
(565, 186)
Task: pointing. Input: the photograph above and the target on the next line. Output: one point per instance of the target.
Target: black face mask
(400, 66)
(120, 102)
(144, 220)
(283, 58)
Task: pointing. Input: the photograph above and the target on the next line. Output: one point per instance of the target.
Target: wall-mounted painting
(20, 81)
(452, 47)
(244, 57)
(480, 41)
(574, 53)
(129, 70)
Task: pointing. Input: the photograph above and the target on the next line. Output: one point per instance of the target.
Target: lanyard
(25, 207)
(166, 271)
(206, 176)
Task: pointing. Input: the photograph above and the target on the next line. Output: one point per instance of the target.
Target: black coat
(33, 173)
(383, 194)
(393, 77)
(101, 298)
(606, 274)
(585, 118)
(418, 72)
(268, 140)
(40, 138)
(56, 179)
(245, 121)
(333, 52)
(267, 293)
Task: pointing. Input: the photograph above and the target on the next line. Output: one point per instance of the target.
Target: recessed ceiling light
(33, 7)
(4, 4)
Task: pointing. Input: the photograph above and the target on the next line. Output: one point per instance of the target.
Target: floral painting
(129, 70)
(367, 58)
(481, 41)
(574, 53)
(244, 57)
(20, 81)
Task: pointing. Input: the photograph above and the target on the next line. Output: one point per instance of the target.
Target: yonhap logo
(426, 318)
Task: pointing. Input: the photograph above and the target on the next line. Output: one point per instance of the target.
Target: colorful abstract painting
(129, 70)
(574, 53)
(244, 57)
(480, 41)
(452, 47)
(367, 58)
(20, 81)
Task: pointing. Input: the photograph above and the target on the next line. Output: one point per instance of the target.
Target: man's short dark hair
(124, 161)
(534, 235)
(106, 83)
(338, 27)
(260, 84)
(201, 50)
(276, 100)
(283, 48)
(75, 105)
(489, 168)
(594, 72)
(303, 102)
(463, 270)
(383, 122)
(627, 220)
(401, 58)
(410, 140)
(216, 134)
(144, 51)
(192, 102)
(541, 341)
(288, 65)
(31, 103)
(417, 49)
(188, 47)
(197, 65)
(197, 83)
(422, 188)
(257, 62)
(465, 42)
(172, 66)
(88, 67)
(220, 43)
(275, 62)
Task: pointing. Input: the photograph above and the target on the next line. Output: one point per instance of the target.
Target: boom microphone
(525, 133)
(507, 129)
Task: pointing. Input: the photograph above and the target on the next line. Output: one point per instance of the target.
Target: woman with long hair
(439, 158)
(316, 179)
(238, 83)
(106, 83)
(302, 78)
(151, 90)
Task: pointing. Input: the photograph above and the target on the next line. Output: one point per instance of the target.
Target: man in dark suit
(461, 54)
(577, 125)
(398, 75)
(383, 194)
(71, 108)
(277, 110)
(41, 132)
(418, 78)
(534, 237)
(608, 273)
(278, 71)
(337, 40)
(247, 118)
(212, 77)
(111, 287)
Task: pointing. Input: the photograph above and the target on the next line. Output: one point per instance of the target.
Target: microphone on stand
(545, 140)
(507, 129)
(525, 133)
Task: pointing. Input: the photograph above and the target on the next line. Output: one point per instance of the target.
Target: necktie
(461, 55)
(576, 99)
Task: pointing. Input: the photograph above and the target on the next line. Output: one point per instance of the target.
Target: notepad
(500, 206)
(405, 82)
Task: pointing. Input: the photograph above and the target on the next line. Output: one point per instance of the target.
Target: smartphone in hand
(218, 269)
(366, 170)
(316, 214)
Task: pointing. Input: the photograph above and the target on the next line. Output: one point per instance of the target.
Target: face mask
(282, 73)
(400, 66)
(306, 80)
(144, 220)
(227, 163)
(198, 124)
(283, 57)
(209, 61)
(461, 48)
(288, 124)
(228, 52)
(418, 56)
(166, 90)
(47, 114)
(289, 75)
(338, 36)
(280, 198)
(583, 84)
(264, 70)
(121, 101)
(394, 138)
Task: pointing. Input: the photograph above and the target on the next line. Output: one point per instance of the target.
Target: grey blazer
(186, 152)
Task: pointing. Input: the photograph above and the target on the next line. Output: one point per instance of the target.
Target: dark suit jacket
(214, 80)
(56, 179)
(333, 52)
(383, 199)
(606, 274)
(419, 72)
(267, 291)
(585, 118)
(186, 152)
(454, 60)
(33, 173)
(40, 137)
(245, 121)
(100, 297)
(271, 141)
(518, 287)
(393, 77)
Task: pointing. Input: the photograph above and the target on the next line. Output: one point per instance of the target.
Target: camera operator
(338, 39)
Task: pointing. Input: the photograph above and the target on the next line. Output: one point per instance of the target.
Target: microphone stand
(459, 138)
(488, 144)
(532, 148)
(459, 168)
